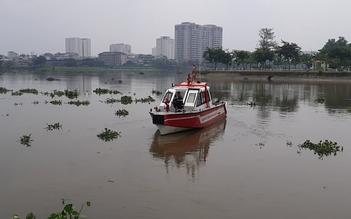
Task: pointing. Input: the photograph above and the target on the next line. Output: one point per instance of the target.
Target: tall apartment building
(165, 47)
(121, 47)
(81, 46)
(191, 40)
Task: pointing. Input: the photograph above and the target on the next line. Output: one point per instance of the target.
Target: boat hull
(171, 122)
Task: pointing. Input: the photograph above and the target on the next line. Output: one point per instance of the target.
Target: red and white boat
(198, 109)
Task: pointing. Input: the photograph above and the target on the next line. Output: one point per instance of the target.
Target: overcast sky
(41, 26)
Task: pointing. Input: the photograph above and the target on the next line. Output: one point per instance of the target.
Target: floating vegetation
(111, 100)
(26, 140)
(109, 135)
(29, 91)
(18, 104)
(52, 79)
(126, 100)
(100, 91)
(289, 143)
(71, 94)
(320, 100)
(260, 144)
(78, 103)
(325, 148)
(148, 99)
(35, 102)
(16, 93)
(68, 212)
(156, 92)
(121, 112)
(56, 102)
(51, 127)
(59, 93)
(120, 81)
(3, 90)
(251, 103)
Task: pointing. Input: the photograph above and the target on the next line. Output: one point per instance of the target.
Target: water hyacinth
(78, 103)
(100, 91)
(121, 112)
(108, 135)
(26, 140)
(325, 148)
(56, 126)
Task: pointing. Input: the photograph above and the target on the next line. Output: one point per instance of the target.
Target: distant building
(165, 47)
(191, 40)
(113, 58)
(121, 47)
(11, 54)
(81, 46)
(153, 51)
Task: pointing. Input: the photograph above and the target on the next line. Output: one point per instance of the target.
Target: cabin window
(191, 98)
(168, 96)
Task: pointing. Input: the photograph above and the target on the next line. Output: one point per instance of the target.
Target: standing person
(194, 73)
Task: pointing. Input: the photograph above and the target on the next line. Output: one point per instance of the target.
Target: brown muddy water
(242, 167)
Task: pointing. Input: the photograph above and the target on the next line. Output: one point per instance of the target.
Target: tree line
(335, 53)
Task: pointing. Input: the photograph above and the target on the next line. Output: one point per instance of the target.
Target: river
(246, 166)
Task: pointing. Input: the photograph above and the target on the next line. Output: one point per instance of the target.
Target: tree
(242, 57)
(261, 56)
(39, 61)
(8, 64)
(307, 59)
(288, 51)
(226, 58)
(340, 57)
(266, 39)
(214, 56)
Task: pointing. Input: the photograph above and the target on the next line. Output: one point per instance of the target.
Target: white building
(81, 46)
(121, 47)
(165, 47)
(191, 40)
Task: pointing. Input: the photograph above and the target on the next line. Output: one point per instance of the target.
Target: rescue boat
(196, 109)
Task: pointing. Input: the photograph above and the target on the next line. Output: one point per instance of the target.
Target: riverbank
(278, 75)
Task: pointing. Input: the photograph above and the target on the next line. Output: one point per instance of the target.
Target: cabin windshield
(168, 96)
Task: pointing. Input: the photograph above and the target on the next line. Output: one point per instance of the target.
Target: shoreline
(277, 75)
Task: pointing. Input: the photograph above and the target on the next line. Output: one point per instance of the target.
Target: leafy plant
(320, 100)
(156, 92)
(26, 140)
(100, 91)
(56, 102)
(71, 94)
(126, 100)
(68, 212)
(29, 91)
(51, 127)
(325, 148)
(78, 103)
(148, 99)
(52, 79)
(3, 90)
(109, 135)
(121, 112)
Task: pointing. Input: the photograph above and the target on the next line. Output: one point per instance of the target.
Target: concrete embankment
(278, 74)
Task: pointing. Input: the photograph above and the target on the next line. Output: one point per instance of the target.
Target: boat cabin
(195, 97)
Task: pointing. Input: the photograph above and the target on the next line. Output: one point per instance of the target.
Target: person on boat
(194, 73)
(178, 101)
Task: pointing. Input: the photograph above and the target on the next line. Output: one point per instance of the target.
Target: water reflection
(189, 148)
